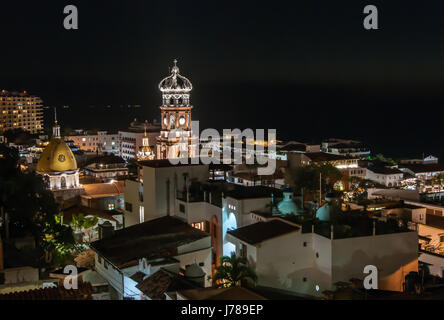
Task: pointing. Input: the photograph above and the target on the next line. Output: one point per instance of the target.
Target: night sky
(308, 69)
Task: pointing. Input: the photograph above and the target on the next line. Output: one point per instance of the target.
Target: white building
(102, 142)
(345, 147)
(293, 260)
(154, 193)
(390, 177)
(163, 243)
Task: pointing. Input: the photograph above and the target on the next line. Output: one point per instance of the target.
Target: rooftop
(251, 192)
(152, 239)
(109, 159)
(322, 156)
(384, 170)
(83, 292)
(232, 293)
(261, 231)
(166, 163)
(294, 147)
(4, 93)
(161, 282)
(99, 190)
(422, 168)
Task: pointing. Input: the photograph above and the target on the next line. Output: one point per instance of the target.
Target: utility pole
(320, 188)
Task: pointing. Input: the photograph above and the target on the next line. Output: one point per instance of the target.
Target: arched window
(63, 182)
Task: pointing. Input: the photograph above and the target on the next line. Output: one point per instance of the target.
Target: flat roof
(165, 163)
(422, 168)
(323, 156)
(212, 293)
(384, 170)
(252, 192)
(261, 231)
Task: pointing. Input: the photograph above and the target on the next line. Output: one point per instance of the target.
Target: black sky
(308, 69)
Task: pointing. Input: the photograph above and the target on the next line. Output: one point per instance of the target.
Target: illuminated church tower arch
(176, 135)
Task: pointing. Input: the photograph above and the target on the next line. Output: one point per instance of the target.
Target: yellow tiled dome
(57, 156)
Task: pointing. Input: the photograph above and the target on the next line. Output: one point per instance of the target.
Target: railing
(190, 196)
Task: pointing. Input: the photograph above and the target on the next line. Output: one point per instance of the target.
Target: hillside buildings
(100, 143)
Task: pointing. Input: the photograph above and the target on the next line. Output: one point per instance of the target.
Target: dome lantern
(287, 205)
(175, 88)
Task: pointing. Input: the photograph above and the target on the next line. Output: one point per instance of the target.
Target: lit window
(111, 206)
(199, 225)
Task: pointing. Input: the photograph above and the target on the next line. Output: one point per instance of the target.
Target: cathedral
(176, 139)
(58, 167)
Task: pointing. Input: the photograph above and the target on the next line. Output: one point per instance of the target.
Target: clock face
(182, 121)
(61, 158)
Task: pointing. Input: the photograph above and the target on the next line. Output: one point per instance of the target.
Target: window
(441, 238)
(111, 206)
(182, 208)
(199, 225)
(128, 207)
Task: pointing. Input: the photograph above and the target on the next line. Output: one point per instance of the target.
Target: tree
(29, 208)
(81, 224)
(57, 241)
(306, 178)
(232, 270)
(379, 158)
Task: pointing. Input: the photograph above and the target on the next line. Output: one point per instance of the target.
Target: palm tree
(232, 270)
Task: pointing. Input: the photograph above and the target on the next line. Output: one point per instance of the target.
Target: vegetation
(28, 208)
(84, 225)
(306, 178)
(379, 158)
(232, 270)
(57, 242)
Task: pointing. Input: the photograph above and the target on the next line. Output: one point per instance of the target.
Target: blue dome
(287, 205)
(324, 212)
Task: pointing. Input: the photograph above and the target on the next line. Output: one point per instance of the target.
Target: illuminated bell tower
(145, 152)
(176, 135)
